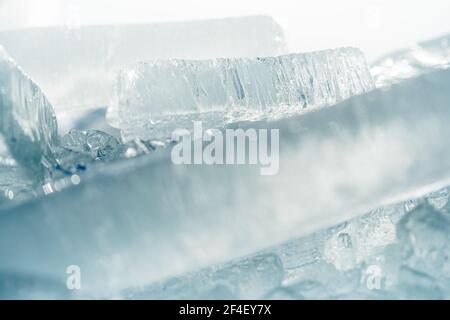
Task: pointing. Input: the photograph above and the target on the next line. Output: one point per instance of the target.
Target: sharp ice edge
(145, 204)
(419, 59)
(242, 279)
(75, 77)
(27, 121)
(154, 98)
(407, 243)
(30, 149)
(31, 152)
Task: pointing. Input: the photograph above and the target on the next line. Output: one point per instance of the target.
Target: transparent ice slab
(145, 219)
(27, 121)
(394, 252)
(62, 60)
(154, 98)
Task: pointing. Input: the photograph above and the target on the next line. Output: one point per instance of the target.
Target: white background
(375, 26)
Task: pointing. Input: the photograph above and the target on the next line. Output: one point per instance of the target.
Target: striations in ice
(154, 98)
(421, 58)
(27, 121)
(411, 262)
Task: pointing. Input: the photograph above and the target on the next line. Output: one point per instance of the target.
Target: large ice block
(76, 66)
(410, 262)
(144, 219)
(27, 121)
(154, 98)
(412, 62)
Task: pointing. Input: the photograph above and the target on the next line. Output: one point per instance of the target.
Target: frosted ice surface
(27, 121)
(249, 278)
(359, 240)
(419, 59)
(339, 252)
(154, 98)
(410, 260)
(72, 74)
(410, 257)
(425, 241)
(410, 263)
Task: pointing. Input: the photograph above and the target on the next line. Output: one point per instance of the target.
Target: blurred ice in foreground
(398, 251)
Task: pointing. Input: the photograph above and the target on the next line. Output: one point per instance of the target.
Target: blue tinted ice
(27, 121)
(197, 215)
(154, 98)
